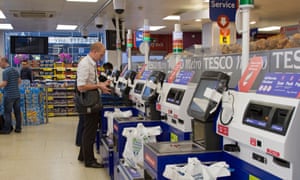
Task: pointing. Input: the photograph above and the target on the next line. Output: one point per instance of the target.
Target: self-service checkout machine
(135, 94)
(151, 117)
(205, 143)
(173, 103)
(124, 84)
(260, 135)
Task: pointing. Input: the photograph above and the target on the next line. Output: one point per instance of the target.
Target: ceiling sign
(223, 21)
(224, 8)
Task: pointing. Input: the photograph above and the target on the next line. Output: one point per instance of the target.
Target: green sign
(246, 2)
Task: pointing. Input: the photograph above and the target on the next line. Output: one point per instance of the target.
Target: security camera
(99, 22)
(119, 6)
(84, 33)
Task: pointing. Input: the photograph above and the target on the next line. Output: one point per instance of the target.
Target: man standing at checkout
(11, 96)
(87, 79)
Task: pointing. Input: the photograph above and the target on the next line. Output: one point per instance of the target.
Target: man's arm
(103, 86)
(3, 84)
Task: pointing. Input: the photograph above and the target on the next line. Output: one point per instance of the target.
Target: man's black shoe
(94, 165)
(18, 130)
(4, 132)
(80, 159)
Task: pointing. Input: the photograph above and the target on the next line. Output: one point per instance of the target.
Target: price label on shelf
(60, 69)
(47, 69)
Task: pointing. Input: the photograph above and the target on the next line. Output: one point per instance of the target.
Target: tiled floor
(45, 152)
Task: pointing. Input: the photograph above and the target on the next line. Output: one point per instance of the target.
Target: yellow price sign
(47, 69)
(50, 89)
(251, 177)
(60, 69)
(224, 36)
(60, 76)
(173, 137)
(50, 106)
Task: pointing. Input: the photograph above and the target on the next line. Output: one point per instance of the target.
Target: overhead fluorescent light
(172, 18)
(271, 28)
(252, 22)
(93, 1)
(6, 27)
(154, 28)
(66, 27)
(198, 20)
(2, 16)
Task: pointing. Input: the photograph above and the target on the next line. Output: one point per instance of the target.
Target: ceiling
(265, 12)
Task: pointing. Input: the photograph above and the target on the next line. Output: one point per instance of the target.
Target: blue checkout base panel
(172, 134)
(155, 165)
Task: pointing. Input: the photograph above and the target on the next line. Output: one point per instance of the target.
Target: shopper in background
(26, 72)
(87, 79)
(108, 68)
(11, 96)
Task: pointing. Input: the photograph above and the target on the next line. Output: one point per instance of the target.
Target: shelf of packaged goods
(71, 76)
(49, 89)
(59, 105)
(63, 105)
(50, 98)
(60, 114)
(60, 76)
(60, 88)
(47, 69)
(47, 76)
(51, 114)
(71, 69)
(60, 69)
(66, 114)
(62, 97)
(50, 106)
(72, 113)
(59, 97)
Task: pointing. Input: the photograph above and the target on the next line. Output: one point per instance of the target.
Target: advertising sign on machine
(249, 76)
(281, 84)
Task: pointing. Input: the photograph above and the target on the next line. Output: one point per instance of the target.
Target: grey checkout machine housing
(203, 124)
(150, 95)
(125, 87)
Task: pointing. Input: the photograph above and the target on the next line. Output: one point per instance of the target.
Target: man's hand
(104, 86)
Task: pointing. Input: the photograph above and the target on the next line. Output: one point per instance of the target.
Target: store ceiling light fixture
(154, 28)
(2, 16)
(198, 20)
(66, 27)
(88, 1)
(172, 18)
(6, 27)
(271, 28)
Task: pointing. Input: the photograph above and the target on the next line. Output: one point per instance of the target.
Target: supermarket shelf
(68, 88)
(66, 114)
(60, 98)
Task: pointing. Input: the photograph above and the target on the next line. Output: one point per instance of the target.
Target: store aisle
(45, 152)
